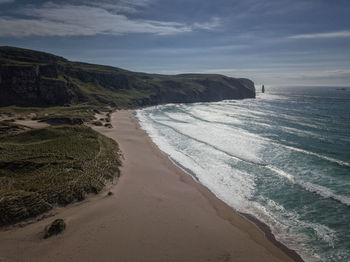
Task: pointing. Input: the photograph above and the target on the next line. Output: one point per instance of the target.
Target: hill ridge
(35, 78)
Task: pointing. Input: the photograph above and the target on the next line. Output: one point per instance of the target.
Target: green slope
(52, 166)
(32, 78)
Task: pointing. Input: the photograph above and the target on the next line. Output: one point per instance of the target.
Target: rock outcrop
(28, 85)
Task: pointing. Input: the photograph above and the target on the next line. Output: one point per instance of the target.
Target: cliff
(32, 78)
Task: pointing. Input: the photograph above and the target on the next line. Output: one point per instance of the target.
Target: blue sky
(272, 42)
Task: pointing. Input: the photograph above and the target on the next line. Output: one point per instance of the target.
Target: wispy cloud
(122, 6)
(6, 1)
(267, 8)
(214, 23)
(74, 20)
(338, 34)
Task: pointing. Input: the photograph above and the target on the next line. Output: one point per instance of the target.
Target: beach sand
(157, 213)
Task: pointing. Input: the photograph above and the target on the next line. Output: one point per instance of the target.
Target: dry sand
(32, 123)
(157, 213)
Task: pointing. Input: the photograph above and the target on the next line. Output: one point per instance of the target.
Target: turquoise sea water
(283, 157)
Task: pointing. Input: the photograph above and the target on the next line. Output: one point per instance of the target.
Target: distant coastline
(38, 79)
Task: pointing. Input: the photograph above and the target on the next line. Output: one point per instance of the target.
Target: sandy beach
(157, 213)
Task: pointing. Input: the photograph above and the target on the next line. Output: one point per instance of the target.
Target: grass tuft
(56, 227)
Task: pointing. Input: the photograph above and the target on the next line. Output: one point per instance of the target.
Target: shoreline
(157, 213)
(271, 237)
(258, 223)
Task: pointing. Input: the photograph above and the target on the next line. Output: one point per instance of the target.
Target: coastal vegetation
(75, 114)
(52, 166)
(56, 227)
(9, 127)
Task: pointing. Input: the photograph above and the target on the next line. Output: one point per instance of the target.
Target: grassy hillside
(75, 114)
(56, 165)
(31, 78)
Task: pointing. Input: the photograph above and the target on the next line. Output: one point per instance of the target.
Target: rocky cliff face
(209, 89)
(28, 86)
(247, 82)
(30, 78)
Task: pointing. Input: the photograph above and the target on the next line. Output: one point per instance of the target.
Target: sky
(272, 42)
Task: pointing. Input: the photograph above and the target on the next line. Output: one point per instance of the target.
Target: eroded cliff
(31, 78)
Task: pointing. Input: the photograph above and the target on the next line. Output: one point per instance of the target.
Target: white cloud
(214, 23)
(73, 20)
(338, 34)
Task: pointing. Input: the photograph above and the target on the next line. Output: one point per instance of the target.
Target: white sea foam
(339, 162)
(234, 188)
(304, 133)
(223, 117)
(281, 221)
(326, 192)
(243, 141)
(282, 173)
(281, 228)
(313, 188)
(222, 141)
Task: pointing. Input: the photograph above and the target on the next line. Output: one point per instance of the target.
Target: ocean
(283, 157)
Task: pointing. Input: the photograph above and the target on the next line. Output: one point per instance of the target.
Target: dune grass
(52, 166)
(76, 113)
(9, 127)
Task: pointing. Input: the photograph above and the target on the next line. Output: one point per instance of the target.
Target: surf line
(330, 159)
(207, 144)
(316, 189)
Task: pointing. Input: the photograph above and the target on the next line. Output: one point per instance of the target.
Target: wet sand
(157, 213)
